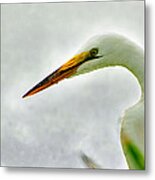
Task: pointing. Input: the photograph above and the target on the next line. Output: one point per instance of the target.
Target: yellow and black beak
(65, 71)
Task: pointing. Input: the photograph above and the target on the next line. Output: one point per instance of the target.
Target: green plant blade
(134, 156)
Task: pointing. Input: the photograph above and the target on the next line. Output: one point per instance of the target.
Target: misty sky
(51, 128)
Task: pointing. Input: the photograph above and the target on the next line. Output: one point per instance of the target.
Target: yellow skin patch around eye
(65, 71)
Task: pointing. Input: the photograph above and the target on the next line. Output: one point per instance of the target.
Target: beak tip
(25, 95)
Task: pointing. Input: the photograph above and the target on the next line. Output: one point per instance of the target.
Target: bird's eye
(94, 52)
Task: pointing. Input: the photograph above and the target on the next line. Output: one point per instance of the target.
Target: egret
(105, 51)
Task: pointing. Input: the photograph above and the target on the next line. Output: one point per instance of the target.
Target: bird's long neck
(117, 51)
(132, 58)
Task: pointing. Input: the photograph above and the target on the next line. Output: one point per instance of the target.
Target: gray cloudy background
(51, 128)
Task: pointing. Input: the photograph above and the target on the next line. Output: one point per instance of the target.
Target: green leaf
(134, 156)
